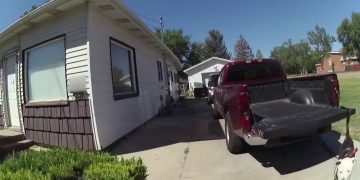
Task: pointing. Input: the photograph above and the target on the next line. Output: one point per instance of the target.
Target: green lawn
(350, 97)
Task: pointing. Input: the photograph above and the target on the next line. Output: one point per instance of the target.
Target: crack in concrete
(186, 152)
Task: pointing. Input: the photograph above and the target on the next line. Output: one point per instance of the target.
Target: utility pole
(162, 28)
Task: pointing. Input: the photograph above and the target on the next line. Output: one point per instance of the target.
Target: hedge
(69, 164)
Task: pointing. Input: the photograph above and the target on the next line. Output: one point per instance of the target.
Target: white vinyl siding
(114, 119)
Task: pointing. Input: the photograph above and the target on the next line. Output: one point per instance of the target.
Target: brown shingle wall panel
(25, 119)
(66, 111)
(87, 104)
(1, 127)
(74, 110)
(29, 134)
(71, 140)
(36, 123)
(82, 109)
(41, 112)
(54, 139)
(25, 111)
(63, 141)
(91, 142)
(80, 126)
(85, 142)
(46, 124)
(46, 137)
(72, 125)
(30, 112)
(87, 126)
(78, 141)
(31, 123)
(54, 125)
(65, 125)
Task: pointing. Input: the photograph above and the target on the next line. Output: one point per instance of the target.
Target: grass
(350, 97)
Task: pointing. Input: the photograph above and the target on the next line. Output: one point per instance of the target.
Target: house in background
(82, 74)
(335, 62)
(198, 75)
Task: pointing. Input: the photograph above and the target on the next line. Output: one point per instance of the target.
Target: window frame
(160, 73)
(133, 70)
(25, 76)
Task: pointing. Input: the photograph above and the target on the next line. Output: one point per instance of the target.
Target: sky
(264, 23)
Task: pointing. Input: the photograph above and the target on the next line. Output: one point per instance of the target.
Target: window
(45, 71)
(123, 68)
(263, 70)
(159, 67)
(172, 77)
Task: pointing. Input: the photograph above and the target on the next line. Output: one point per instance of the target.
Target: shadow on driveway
(298, 156)
(191, 121)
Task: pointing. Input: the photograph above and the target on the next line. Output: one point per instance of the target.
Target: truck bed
(282, 118)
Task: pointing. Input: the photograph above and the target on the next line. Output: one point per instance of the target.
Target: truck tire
(234, 143)
(216, 113)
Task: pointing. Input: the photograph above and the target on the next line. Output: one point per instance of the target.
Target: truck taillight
(335, 91)
(244, 107)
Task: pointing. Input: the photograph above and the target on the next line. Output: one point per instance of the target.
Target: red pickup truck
(261, 106)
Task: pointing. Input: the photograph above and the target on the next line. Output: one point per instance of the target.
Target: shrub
(132, 169)
(59, 164)
(23, 175)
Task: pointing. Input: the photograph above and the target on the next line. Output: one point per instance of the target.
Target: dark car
(213, 80)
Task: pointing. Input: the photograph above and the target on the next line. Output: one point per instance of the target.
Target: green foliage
(243, 50)
(23, 175)
(132, 169)
(33, 7)
(321, 42)
(196, 54)
(215, 45)
(259, 55)
(349, 35)
(187, 94)
(295, 58)
(177, 41)
(56, 164)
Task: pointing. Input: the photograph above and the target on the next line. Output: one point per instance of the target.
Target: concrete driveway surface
(189, 144)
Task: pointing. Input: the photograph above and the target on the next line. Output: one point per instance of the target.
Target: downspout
(91, 96)
(19, 82)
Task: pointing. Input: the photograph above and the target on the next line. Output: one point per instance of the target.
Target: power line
(148, 18)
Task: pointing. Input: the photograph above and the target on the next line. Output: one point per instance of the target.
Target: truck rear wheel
(234, 143)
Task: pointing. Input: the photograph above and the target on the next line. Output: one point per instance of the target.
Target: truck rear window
(252, 71)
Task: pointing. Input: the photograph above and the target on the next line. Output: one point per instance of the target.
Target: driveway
(189, 144)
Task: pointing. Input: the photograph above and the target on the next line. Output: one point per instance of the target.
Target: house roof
(114, 9)
(203, 62)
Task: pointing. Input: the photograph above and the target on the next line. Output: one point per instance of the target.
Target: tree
(295, 58)
(196, 54)
(321, 42)
(259, 55)
(177, 41)
(33, 7)
(243, 50)
(215, 45)
(349, 35)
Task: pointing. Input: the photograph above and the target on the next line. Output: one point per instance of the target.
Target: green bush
(59, 164)
(23, 175)
(132, 169)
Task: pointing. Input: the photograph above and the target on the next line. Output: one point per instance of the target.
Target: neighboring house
(82, 74)
(334, 62)
(198, 75)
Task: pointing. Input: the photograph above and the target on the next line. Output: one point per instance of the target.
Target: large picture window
(45, 65)
(123, 68)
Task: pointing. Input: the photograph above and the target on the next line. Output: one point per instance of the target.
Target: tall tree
(349, 35)
(215, 45)
(295, 58)
(196, 54)
(243, 50)
(259, 55)
(177, 41)
(321, 42)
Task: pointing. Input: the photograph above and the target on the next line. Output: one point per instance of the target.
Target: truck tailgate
(281, 118)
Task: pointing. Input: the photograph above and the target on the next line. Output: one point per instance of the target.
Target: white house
(198, 75)
(82, 74)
